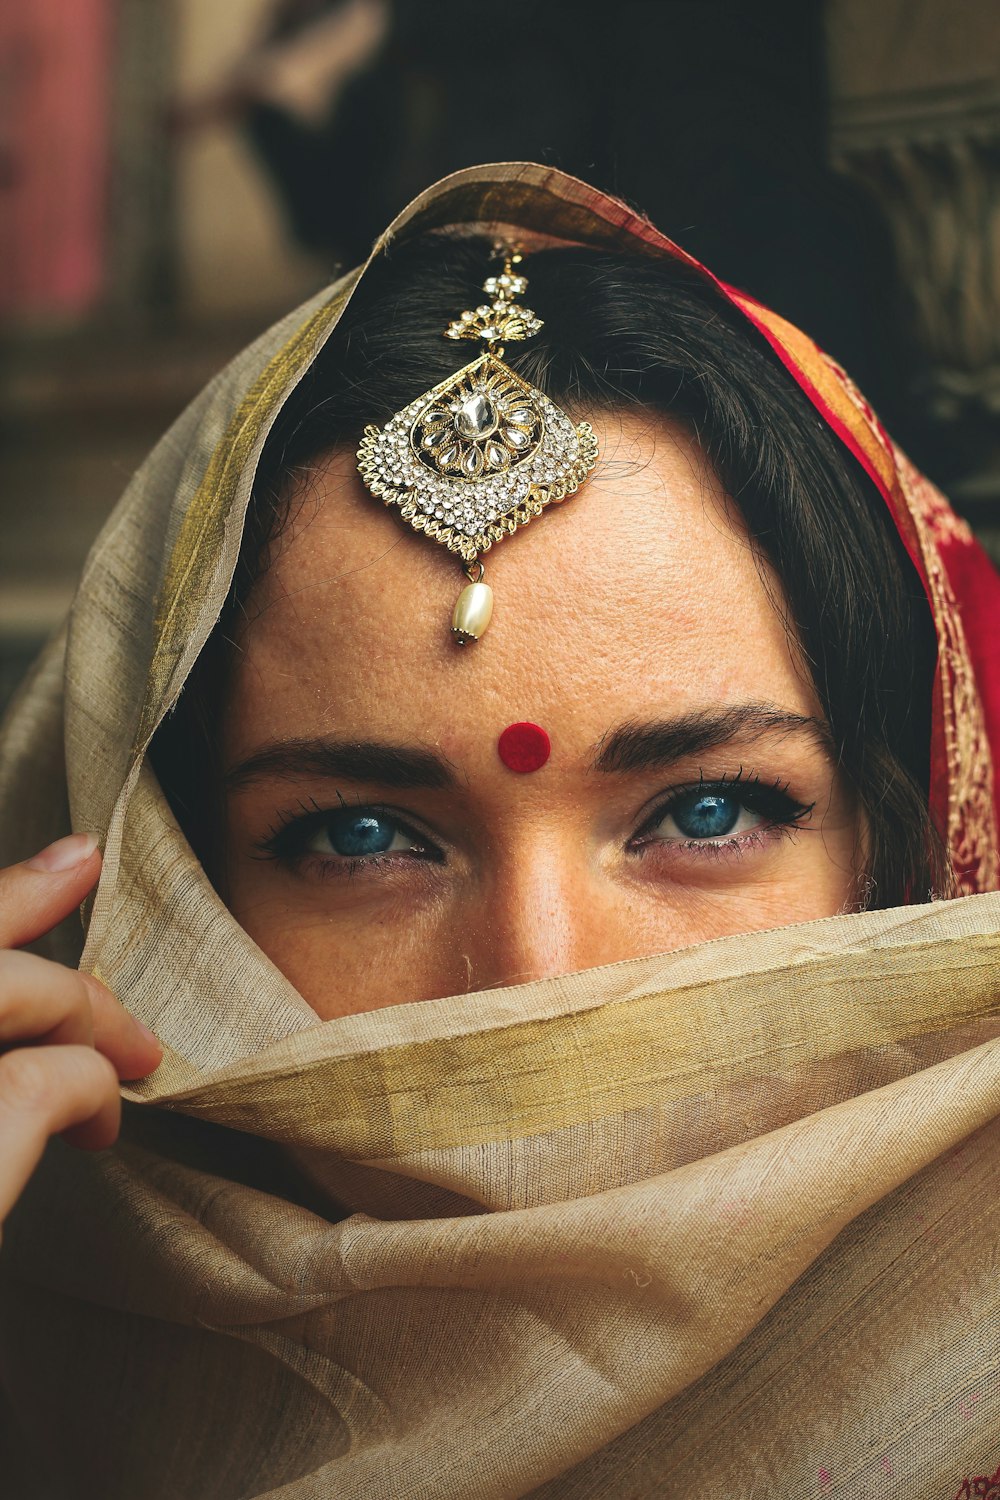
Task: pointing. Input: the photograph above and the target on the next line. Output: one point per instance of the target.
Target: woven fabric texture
(723, 1222)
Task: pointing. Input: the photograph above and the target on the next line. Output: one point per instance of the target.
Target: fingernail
(64, 853)
(149, 1035)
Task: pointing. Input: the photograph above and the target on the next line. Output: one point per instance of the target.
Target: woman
(736, 680)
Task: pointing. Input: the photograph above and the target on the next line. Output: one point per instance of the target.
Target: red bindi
(524, 747)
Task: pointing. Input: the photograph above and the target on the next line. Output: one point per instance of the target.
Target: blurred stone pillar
(142, 230)
(916, 121)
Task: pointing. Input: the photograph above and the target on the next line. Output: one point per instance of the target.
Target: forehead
(639, 594)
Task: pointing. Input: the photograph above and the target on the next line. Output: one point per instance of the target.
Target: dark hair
(624, 332)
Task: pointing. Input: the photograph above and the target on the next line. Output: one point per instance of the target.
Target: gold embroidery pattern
(972, 829)
(858, 400)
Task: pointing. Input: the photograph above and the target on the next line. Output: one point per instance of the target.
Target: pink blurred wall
(55, 106)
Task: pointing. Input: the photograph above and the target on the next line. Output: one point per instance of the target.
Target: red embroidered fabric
(962, 588)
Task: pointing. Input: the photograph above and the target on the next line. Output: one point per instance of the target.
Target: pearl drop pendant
(473, 612)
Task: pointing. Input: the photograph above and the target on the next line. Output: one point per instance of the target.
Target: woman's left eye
(707, 815)
(721, 814)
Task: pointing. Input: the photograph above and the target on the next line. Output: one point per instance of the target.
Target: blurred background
(174, 174)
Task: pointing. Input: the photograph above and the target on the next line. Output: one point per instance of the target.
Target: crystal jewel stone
(476, 416)
(471, 461)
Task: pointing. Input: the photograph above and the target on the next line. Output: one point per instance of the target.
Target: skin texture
(637, 601)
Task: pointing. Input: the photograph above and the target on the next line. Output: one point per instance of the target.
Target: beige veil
(720, 1223)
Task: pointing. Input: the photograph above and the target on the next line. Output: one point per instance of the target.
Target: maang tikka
(482, 453)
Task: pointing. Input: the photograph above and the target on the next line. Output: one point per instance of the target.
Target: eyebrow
(401, 766)
(631, 747)
(647, 746)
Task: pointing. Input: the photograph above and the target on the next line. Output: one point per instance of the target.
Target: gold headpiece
(482, 453)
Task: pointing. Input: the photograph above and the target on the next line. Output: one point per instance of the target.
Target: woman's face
(377, 848)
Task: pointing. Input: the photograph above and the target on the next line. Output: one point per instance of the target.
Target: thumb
(41, 891)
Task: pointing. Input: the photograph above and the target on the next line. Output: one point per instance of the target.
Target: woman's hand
(64, 1039)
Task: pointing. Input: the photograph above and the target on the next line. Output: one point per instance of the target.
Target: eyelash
(286, 840)
(783, 814)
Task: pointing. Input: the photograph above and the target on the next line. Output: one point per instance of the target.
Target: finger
(44, 1090)
(41, 891)
(45, 1002)
(131, 1047)
(41, 1001)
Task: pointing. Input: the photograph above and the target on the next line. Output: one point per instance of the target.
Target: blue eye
(355, 835)
(346, 837)
(706, 815)
(724, 811)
